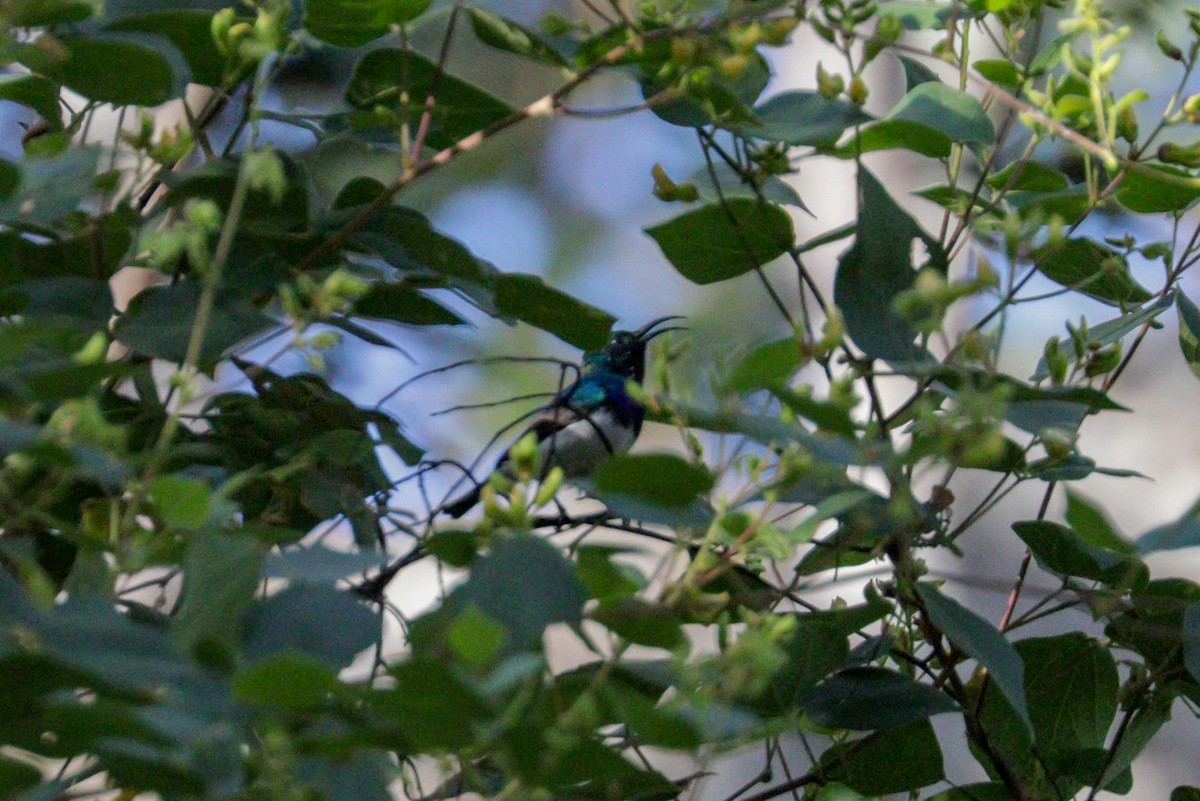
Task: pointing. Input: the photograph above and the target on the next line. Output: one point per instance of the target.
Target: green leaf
(190, 30)
(1183, 793)
(878, 268)
(316, 564)
(1060, 550)
(1152, 189)
(427, 709)
(717, 242)
(310, 619)
(403, 304)
(286, 681)
(159, 322)
(551, 593)
(917, 15)
(804, 119)
(43, 13)
(406, 240)
(719, 100)
(1191, 640)
(504, 34)
(152, 71)
(898, 760)
(220, 578)
(606, 580)
(51, 188)
(1189, 332)
(1114, 330)
(363, 775)
(866, 698)
(731, 183)
(36, 92)
(1000, 71)
(656, 478)
(529, 299)
(916, 73)
(767, 366)
(927, 120)
(814, 649)
(1090, 523)
(1072, 691)
(1028, 176)
(1181, 533)
(461, 109)
(641, 622)
(351, 23)
(981, 641)
(1093, 269)
(181, 502)
(455, 548)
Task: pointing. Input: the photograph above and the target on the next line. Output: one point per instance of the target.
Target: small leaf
(767, 366)
(36, 92)
(43, 13)
(402, 304)
(152, 70)
(1028, 176)
(181, 502)
(503, 34)
(455, 548)
(529, 299)
(1189, 332)
(916, 73)
(1093, 269)
(641, 622)
(656, 478)
(981, 641)
(1181, 533)
(1114, 330)
(866, 698)
(917, 15)
(927, 120)
(804, 119)
(1061, 551)
(999, 70)
(1090, 523)
(51, 188)
(715, 242)
(1152, 189)
(352, 23)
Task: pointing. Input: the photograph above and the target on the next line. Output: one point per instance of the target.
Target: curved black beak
(647, 332)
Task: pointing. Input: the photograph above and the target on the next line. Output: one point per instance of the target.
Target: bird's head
(625, 353)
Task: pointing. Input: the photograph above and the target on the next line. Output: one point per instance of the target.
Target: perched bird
(595, 416)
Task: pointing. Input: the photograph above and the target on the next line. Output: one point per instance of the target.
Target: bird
(593, 418)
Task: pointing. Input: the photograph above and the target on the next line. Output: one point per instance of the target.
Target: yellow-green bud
(830, 85)
(858, 91)
(550, 486)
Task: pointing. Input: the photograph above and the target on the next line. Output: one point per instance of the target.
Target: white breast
(580, 446)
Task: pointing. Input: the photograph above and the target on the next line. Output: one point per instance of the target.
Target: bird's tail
(461, 505)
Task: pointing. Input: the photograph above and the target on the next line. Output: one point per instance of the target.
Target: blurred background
(567, 199)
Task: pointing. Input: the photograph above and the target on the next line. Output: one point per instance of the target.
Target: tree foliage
(171, 619)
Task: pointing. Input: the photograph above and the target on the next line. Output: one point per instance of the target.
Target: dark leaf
(504, 34)
(287, 681)
(1071, 686)
(41, 13)
(34, 91)
(916, 73)
(1093, 269)
(310, 619)
(1060, 550)
(1152, 189)
(1181, 533)
(877, 269)
(317, 564)
(641, 622)
(1189, 332)
(656, 478)
(402, 304)
(51, 188)
(351, 23)
(529, 299)
(927, 120)
(898, 760)
(804, 118)
(918, 15)
(190, 30)
(220, 578)
(1028, 176)
(981, 641)
(1090, 523)
(1114, 330)
(767, 366)
(866, 698)
(717, 242)
(401, 80)
(152, 71)
(160, 320)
